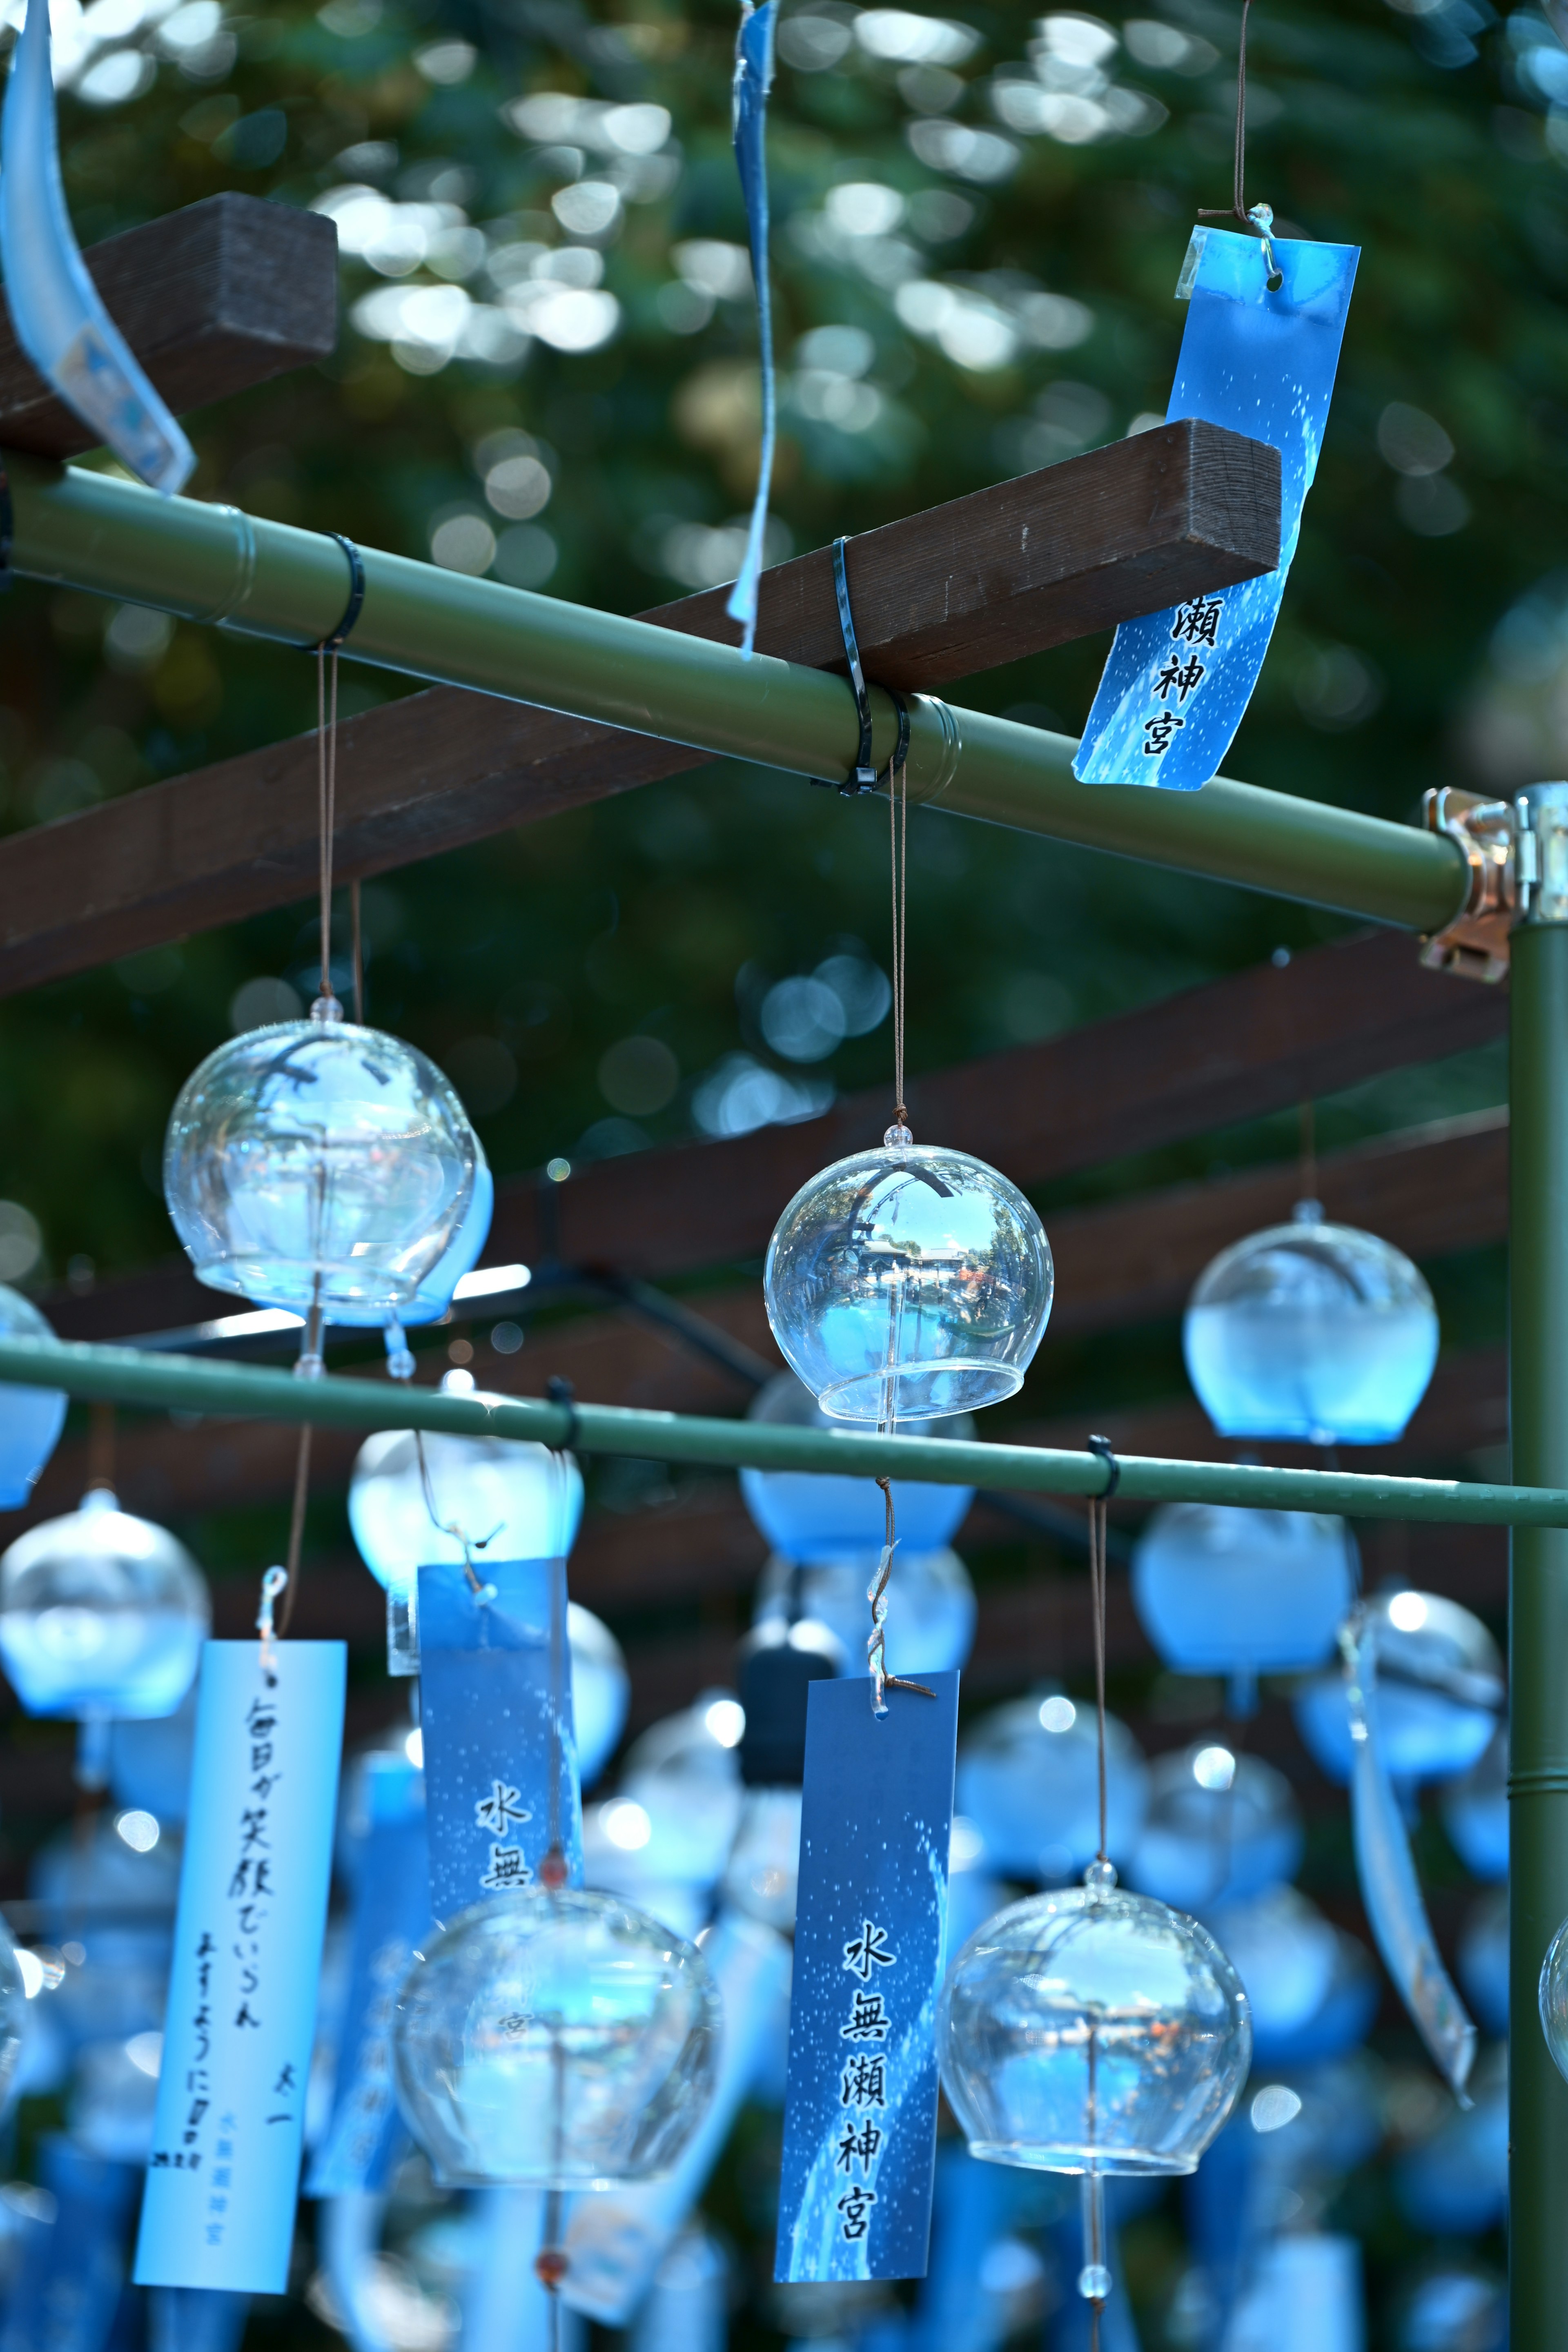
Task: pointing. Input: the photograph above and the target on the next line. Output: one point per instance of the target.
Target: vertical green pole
(1538, 1621)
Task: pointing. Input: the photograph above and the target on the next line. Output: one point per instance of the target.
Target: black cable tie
(1101, 1445)
(7, 530)
(560, 1390)
(862, 776)
(335, 641)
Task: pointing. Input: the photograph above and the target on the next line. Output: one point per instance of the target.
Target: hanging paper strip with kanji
(1177, 684)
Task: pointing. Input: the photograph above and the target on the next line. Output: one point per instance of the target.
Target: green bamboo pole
(199, 1384)
(1538, 1626)
(96, 532)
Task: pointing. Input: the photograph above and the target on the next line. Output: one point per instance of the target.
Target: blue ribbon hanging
(753, 80)
(1263, 362)
(56, 309)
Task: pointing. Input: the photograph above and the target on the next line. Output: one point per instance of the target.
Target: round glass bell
(101, 1613)
(318, 1161)
(1553, 1999)
(683, 1775)
(908, 1282)
(1284, 1951)
(1313, 1331)
(1237, 1592)
(1439, 1692)
(1091, 2031)
(1029, 1777)
(930, 1606)
(556, 2040)
(32, 1419)
(1219, 1825)
(809, 1515)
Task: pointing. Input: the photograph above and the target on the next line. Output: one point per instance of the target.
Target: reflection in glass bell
(1221, 1590)
(32, 1419)
(101, 1613)
(555, 2039)
(1092, 2031)
(318, 1152)
(1219, 1825)
(434, 1296)
(809, 1516)
(931, 1618)
(1439, 1692)
(908, 1282)
(1029, 1777)
(1313, 1331)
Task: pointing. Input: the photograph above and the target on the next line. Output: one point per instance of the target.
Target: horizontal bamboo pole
(198, 1384)
(96, 532)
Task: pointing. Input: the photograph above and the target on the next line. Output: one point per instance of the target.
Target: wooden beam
(1256, 1042)
(212, 299)
(983, 580)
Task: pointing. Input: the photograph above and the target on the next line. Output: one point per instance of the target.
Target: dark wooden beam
(1003, 573)
(211, 300)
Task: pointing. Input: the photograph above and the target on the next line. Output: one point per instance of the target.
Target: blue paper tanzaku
(749, 115)
(224, 2173)
(860, 2103)
(1177, 684)
(486, 1705)
(390, 1900)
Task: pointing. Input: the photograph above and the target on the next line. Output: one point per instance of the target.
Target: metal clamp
(1474, 944)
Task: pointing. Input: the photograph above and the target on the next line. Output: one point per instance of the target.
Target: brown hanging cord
(327, 765)
(1260, 219)
(295, 1526)
(101, 1449)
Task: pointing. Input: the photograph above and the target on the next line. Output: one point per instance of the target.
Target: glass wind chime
(1090, 2030)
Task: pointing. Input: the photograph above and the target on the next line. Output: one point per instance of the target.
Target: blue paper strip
(860, 2103)
(391, 1903)
(749, 111)
(224, 2175)
(487, 1710)
(1177, 683)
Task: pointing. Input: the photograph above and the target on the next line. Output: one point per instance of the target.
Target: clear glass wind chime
(911, 1281)
(1090, 2030)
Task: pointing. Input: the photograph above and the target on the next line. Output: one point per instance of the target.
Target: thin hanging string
(1097, 1503)
(356, 933)
(877, 1594)
(296, 1528)
(326, 794)
(1259, 217)
(1309, 1150)
(452, 1528)
(101, 1449)
(899, 847)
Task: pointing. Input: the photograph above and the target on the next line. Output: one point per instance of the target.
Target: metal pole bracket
(1474, 943)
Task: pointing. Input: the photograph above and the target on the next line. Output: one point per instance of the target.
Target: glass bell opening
(908, 1283)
